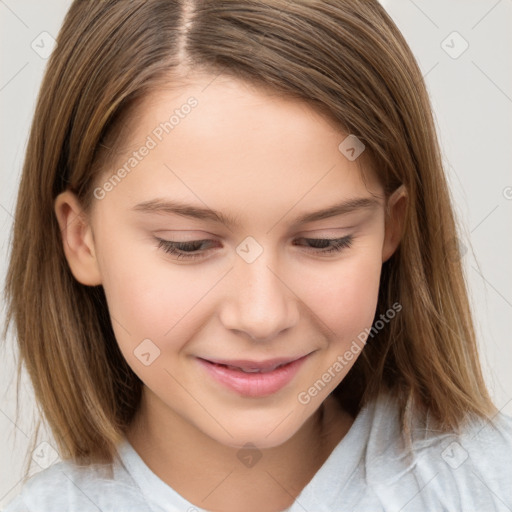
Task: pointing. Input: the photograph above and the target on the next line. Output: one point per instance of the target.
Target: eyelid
(199, 234)
(309, 233)
(325, 232)
(337, 245)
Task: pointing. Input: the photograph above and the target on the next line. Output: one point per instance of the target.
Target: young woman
(229, 275)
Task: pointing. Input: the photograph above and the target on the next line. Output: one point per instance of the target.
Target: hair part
(345, 58)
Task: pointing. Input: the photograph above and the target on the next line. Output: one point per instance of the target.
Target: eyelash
(179, 248)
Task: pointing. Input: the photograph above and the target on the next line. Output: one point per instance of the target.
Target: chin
(260, 440)
(262, 434)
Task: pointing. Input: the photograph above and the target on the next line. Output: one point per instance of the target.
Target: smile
(251, 379)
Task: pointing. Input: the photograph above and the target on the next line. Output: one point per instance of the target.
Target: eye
(329, 245)
(183, 250)
(192, 250)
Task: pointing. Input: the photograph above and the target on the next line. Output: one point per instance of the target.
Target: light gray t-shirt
(368, 471)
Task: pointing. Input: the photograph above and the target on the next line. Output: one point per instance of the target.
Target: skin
(264, 160)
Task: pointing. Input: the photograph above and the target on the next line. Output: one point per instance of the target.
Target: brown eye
(183, 250)
(329, 245)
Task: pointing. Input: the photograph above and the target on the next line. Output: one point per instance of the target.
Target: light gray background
(472, 100)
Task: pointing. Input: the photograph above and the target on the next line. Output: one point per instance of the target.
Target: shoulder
(469, 470)
(68, 486)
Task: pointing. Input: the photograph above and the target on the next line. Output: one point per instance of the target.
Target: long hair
(344, 57)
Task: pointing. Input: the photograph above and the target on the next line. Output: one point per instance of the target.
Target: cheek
(345, 299)
(147, 296)
(154, 300)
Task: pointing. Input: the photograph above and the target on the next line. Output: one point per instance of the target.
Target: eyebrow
(169, 207)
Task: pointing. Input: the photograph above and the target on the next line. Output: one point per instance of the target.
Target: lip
(246, 364)
(256, 384)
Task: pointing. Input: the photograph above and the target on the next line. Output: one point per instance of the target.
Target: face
(259, 283)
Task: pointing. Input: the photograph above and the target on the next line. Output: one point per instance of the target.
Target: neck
(209, 475)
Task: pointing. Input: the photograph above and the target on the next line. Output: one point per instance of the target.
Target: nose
(260, 303)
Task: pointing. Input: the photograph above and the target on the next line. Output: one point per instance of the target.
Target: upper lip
(246, 364)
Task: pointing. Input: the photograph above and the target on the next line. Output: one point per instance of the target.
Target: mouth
(252, 378)
(253, 366)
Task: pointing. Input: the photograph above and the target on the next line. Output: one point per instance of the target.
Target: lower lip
(254, 384)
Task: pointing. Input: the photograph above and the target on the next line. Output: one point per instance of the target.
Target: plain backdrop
(463, 48)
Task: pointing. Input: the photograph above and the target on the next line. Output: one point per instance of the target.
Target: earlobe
(77, 239)
(395, 220)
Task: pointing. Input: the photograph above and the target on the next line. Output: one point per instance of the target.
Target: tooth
(254, 370)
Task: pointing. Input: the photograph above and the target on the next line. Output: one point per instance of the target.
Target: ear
(394, 222)
(77, 239)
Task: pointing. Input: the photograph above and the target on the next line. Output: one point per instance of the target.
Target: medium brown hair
(344, 57)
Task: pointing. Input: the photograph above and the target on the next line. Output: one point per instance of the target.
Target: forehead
(223, 140)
